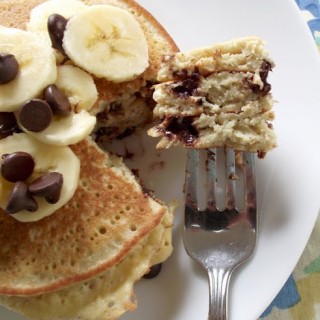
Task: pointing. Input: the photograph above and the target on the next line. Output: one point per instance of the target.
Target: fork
(220, 239)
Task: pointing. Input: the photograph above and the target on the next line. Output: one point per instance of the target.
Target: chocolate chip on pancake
(17, 166)
(20, 199)
(96, 222)
(57, 100)
(35, 115)
(48, 186)
(56, 26)
(9, 67)
(8, 124)
(153, 271)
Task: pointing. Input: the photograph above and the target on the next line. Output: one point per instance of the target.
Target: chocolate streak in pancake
(223, 88)
(265, 68)
(181, 129)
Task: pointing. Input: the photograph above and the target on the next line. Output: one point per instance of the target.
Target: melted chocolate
(264, 71)
(115, 107)
(187, 84)
(186, 88)
(182, 129)
(126, 133)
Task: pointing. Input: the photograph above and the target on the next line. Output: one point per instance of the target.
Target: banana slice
(78, 86)
(108, 42)
(39, 18)
(64, 131)
(39, 15)
(37, 67)
(47, 159)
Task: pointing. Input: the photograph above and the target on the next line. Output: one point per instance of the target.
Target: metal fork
(220, 239)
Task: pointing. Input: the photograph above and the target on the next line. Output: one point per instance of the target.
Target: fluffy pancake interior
(216, 96)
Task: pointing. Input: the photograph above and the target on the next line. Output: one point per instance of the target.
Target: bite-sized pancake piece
(108, 214)
(216, 96)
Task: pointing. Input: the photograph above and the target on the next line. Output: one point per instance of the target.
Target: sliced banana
(39, 18)
(78, 86)
(39, 15)
(108, 42)
(64, 131)
(37, 67)
(47, 159)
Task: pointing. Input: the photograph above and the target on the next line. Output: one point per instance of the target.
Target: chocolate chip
(57, 100)
(17, 166)
(126, 133)
(48, 186)
(8, 124)
(265, 68)
(183, 129)
(20, 199)
(153, 271)
(186, 87)
(115, 107)
(56, 26)
(9, 67)
(35, 115)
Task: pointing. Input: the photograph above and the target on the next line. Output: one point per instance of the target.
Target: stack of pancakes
(82, 261)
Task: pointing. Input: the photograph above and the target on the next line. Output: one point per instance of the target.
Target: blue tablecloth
(299, 299)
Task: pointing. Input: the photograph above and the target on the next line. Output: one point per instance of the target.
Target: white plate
(288, 179)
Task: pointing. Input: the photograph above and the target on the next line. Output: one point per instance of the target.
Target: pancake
(123, 106)
(109, 212)
(216, 96)
(106, 296)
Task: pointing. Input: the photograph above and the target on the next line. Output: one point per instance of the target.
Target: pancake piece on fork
(216, 96)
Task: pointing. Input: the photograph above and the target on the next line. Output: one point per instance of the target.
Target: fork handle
(218, 294)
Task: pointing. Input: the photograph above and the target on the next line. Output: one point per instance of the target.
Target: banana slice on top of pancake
(107, 42)
(34, 67)
(49, 162)
(39, 15)
(78, 86)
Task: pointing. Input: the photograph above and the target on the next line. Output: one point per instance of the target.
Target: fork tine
(220, 239)
(230, 179)
(250, 188)
(192, 178)
(211, 178)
